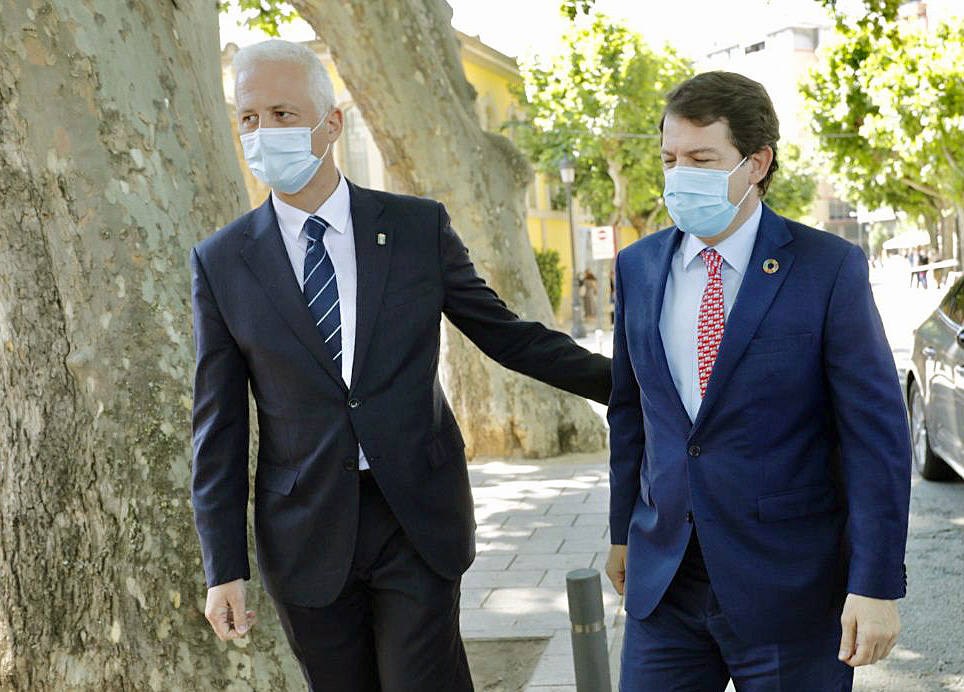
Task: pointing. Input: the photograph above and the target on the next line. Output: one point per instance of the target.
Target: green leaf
(551, 272)
(263, 15)
(600, 103)
(888, 106)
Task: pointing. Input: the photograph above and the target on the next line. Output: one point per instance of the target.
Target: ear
(760, 164)
(334, 123)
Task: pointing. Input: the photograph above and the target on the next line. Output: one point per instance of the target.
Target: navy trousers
(394, 627)
(687, 645)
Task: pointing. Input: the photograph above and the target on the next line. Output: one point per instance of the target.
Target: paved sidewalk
(537, 521)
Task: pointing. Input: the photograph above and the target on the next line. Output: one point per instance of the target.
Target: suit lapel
(372, 261)
(656, 292)
(752, 302)
(265, 254)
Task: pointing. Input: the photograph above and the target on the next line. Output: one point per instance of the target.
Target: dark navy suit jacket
(252, 327)
(796, 472)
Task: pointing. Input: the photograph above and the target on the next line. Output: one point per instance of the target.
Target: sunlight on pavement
(904, 654)
(500, 468)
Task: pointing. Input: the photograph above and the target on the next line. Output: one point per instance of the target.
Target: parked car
(935, 390)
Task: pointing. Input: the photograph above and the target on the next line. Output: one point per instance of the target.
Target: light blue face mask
(281, 157)
(698, 199)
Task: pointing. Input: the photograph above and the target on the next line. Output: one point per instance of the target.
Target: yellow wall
(494, 103)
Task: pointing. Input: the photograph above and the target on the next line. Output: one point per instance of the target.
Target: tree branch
(922, 188)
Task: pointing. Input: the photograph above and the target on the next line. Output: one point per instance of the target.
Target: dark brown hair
(740, 102)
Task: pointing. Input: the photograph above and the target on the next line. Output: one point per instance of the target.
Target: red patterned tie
(709, 328)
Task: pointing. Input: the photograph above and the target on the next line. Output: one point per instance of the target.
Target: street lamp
(567, 171)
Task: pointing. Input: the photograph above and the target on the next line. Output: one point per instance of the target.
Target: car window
(953, 303)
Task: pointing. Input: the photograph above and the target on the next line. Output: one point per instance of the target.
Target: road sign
(603, 242)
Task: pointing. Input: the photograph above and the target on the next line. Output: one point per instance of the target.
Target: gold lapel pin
(771, 266)
(381, 238)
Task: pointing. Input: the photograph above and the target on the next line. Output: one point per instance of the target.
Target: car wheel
(928, 464)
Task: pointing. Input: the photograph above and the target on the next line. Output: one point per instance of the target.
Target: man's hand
(616, 567)
(225, 610)
(870, 629)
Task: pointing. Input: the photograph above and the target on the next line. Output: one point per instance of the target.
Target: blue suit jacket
(796, 472)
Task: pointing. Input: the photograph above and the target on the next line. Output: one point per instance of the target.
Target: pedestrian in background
(588, 290)
(920, 260)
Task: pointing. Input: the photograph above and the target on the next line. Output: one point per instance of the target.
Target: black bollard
(589, 651)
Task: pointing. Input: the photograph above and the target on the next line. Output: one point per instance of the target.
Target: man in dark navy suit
(760, 456)
(327, 300)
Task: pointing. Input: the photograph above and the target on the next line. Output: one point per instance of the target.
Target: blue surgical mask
(281, 157)
(698, 199)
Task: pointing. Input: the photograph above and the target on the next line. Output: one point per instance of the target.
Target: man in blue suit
(760, 457)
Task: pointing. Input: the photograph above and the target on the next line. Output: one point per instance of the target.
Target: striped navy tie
(321, 288)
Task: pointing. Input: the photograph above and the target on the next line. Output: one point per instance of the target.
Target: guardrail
(943, 264)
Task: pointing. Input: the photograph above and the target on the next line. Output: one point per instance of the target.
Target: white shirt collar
(336, 210)
(735, 250)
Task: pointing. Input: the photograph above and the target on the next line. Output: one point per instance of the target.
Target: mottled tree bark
(115, 159)
(400, 59)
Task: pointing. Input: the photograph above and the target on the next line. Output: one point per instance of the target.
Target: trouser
(395, 625)
(687, 644)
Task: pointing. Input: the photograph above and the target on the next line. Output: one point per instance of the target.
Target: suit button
(689, 517)
(350, 464)
(694, 450)
(354, 403)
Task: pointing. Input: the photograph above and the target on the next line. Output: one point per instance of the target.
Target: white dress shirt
(684, 292)
(339, 241)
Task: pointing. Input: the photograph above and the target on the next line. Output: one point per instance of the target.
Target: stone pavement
(537, 521)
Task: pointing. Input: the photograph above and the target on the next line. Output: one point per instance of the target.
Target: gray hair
(275, 50)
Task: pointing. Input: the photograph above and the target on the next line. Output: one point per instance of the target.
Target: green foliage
(267, 15)
(600, 102)
(551, 273)
(572, 8)
(877, 18)
(794, 185)
(889, 111)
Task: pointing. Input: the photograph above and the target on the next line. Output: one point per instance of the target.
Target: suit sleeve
(626, 436)
(526, 347)
(219, 483)
(873, 433)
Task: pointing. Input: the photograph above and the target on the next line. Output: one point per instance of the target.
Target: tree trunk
(116, 159)
(620, 193)
(400, 59)
(959, 232)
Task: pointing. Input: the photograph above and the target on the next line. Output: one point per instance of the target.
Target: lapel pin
(771, 266)
(380, 238)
